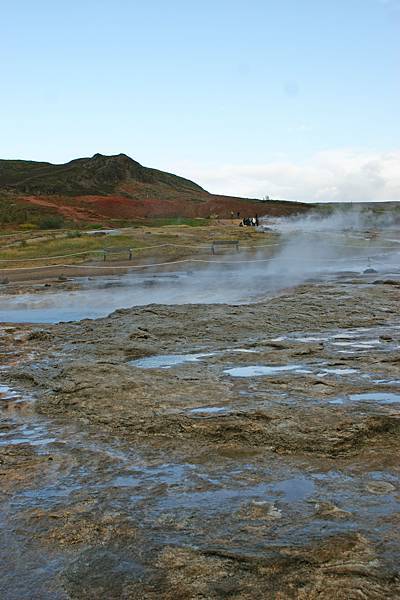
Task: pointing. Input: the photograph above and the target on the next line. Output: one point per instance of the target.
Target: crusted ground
(187, 479)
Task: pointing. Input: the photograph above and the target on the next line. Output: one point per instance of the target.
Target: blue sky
(296, 99)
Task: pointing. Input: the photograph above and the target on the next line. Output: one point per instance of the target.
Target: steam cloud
(343, 240)
(307, 247)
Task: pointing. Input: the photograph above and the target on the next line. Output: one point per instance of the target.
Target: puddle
(12, 402)
(242, 350)
(260, 370)
(34, 435)
(7, 393)
(381, 397)
(355, 341)
(166, 361)
(361, 345)
(296, 489)
(289, 491)
(295, 338)
(310, 339)
(222, 499)
(208, 410)
(346, 371)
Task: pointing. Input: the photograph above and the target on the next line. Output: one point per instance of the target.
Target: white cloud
(330, 176)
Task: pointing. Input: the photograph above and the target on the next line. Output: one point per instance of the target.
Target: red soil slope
(98, 209)
(107, 189)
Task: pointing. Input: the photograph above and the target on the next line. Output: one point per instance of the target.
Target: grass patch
(74, 242)
(168, 222)
(145, 242)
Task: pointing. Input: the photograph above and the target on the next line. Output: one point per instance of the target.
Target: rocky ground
(206, 451)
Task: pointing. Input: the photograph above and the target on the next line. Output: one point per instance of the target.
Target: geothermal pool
(248, 276)
(82, 298)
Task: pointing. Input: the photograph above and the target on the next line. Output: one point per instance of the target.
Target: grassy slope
(96, 175)
(146, 242)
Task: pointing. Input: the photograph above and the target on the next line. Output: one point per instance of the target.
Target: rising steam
(309, 247)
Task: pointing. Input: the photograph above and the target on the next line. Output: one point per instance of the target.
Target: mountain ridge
(99, 174)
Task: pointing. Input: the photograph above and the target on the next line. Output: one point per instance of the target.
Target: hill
(110, 189)
(97, 175)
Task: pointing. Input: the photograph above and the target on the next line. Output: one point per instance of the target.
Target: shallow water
(6, 392)
(361, 345)
(332, 371)
(226, 283)
(208, 410)
(242, 350)
(174, 502)
(167, 361)
(380, 397)
(262, 370)
(101, 296)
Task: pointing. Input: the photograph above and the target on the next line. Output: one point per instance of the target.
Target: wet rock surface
(198, 451)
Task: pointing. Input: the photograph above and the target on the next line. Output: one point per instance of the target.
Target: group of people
(249, 222)
(246, 221)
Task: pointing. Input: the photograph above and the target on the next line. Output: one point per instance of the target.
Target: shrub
(51, 222)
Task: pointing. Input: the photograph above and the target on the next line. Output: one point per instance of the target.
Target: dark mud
(258, 458)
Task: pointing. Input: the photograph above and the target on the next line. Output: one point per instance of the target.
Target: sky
(295, 99)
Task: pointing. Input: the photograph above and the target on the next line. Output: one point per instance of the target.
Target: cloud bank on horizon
(328, 176)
